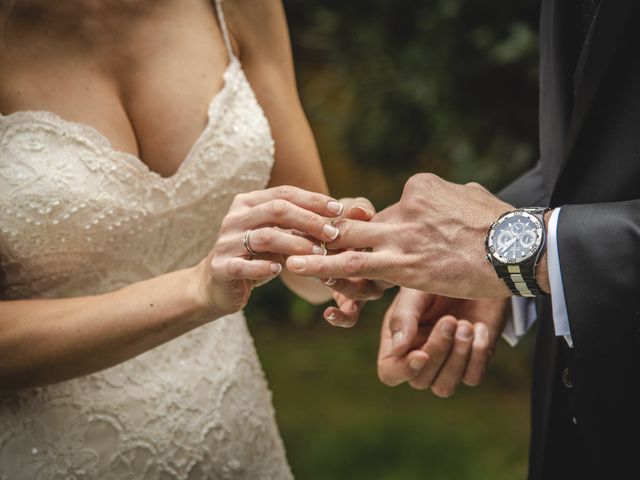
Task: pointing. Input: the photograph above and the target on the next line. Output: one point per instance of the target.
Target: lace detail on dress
(79, 217)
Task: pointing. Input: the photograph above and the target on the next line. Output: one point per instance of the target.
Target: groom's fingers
(358, 234)
(371, 265)
(359, 289)
(409, 306)
(359, 208)
(396, 365)
(438, 347)
(346, 314)
(451, 373)
(480, 354)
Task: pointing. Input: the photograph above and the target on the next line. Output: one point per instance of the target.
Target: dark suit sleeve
(599, 250)
(527, 190)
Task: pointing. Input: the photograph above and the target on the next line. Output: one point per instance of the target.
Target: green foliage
(433, 85)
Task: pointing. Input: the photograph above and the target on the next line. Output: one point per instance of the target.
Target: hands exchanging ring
(443, 325)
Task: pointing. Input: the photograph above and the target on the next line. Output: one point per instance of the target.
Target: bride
(136, 142)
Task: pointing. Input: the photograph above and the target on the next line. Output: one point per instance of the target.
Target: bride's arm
(47, 341)
(261, 38)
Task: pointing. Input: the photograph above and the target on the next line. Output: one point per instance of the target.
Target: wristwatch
(514, 245)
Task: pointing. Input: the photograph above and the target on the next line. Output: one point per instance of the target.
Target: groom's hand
(350, 294)
(431, 240)
(438, 342)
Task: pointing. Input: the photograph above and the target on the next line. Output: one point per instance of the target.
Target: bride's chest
(78, 213)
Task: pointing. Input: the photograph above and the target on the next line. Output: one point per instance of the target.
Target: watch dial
(516, 238)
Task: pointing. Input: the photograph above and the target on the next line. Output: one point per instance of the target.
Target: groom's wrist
(542, 269)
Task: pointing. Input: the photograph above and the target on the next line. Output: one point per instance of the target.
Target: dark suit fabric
(590, 166)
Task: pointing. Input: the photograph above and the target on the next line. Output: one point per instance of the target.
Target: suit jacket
(585, 400)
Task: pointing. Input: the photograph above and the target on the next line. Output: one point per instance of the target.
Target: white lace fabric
(81, 218)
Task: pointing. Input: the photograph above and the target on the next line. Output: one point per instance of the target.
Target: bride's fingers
(286, 215)
(274, 240)
(240, 269)
(312, 201)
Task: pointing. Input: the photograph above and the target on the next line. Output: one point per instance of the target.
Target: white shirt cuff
(523, 316)
(558, 303)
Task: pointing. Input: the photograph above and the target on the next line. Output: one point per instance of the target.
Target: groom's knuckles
(345, 264)
(355, 263)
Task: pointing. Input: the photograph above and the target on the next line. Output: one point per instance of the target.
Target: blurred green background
(392, 88)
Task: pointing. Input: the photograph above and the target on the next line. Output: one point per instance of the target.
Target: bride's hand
(350, 294)
(229, 273)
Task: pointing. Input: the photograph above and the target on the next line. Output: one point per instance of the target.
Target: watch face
(515, 237)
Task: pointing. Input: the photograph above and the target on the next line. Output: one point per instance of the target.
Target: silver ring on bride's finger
(246, 241)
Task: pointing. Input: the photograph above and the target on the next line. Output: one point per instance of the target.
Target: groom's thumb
(404, 328)
(404, 318)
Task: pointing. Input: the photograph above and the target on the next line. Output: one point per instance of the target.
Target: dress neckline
(130, 158)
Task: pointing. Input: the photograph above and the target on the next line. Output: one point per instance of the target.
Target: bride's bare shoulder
(257, 25)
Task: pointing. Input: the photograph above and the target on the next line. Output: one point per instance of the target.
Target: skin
(437, 342)
(143, 74)
(432, 243)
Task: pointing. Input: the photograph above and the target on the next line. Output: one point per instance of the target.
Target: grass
(339, 422)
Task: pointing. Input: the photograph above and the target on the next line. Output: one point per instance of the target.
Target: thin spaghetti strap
(223, 28)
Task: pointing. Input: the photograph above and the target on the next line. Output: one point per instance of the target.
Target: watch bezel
(533, 250)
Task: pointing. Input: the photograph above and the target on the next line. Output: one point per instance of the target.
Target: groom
(461, 254)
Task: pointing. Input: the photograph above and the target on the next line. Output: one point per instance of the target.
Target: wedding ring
(246, 241)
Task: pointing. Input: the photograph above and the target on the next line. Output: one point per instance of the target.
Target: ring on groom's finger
(246, 241)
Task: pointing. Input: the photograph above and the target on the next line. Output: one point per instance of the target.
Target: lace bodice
(80, 218)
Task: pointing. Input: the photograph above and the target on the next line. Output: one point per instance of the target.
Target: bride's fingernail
(276, 268)
(331, 231)
(298, 262)
(335, 207)
(331, 317)
(330, 282)
(319, 250)
(397, 338)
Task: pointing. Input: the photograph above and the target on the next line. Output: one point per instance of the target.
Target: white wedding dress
(80, 218)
